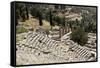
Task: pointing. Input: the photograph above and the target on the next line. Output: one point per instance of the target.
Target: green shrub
(21, 30)
(79, 36)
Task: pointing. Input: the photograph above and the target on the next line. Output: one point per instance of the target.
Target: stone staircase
(38, 48)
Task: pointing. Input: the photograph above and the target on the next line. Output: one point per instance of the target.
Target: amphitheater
(38, 48)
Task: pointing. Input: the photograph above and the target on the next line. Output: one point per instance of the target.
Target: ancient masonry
(38, 48)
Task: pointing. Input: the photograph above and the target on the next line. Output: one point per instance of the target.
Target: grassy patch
(21, 30)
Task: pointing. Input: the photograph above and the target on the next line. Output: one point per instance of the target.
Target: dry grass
(33, 23)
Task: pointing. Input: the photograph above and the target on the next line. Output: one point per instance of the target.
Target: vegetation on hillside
(56, 15)
(79, 36)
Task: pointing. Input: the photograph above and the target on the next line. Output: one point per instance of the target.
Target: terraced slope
(38, 48)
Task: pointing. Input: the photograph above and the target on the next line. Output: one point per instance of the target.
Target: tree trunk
(27, 12)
